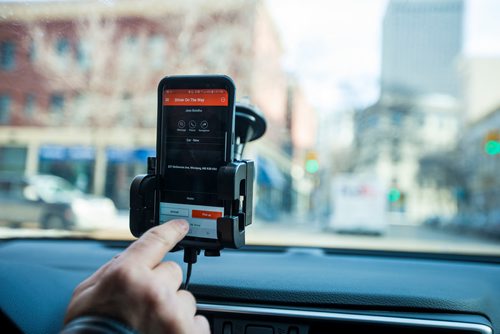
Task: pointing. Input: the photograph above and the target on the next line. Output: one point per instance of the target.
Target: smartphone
(195, 137)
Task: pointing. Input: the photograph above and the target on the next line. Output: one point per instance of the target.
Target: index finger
(152, 246)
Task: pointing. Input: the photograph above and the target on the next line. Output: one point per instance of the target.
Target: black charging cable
(190, 257)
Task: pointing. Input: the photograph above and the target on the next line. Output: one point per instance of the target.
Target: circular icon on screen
(192, 124)
(204, 124)
(181, 124)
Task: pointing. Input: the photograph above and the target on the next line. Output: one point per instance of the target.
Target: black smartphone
(195, 137)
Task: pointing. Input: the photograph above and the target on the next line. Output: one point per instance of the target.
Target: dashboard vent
(228, 319)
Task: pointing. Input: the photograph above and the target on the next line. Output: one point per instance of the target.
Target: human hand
(139, 290)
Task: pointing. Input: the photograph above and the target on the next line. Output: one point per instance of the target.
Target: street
(398, 237)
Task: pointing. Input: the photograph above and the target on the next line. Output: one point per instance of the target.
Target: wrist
(92, 324)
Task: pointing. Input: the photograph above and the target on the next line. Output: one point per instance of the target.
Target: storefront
(123, 164)
(98, 161)
(13, 159)
(74, 163)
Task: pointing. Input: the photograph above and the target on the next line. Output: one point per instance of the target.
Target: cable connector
(190, 257)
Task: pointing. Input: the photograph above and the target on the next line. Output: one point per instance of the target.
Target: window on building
(395, 156)
(397, 118)
(57, 103)
(126, 117)
(30, 105)
(371, 121)
(395, 150)
(131, 54)
(157, 48)
(80, 106)
(421, 119)
(13, 159)
(7, 55)
(132, 40)
(62, 46)
(5, 109)
(80, 99)
(82, 55)
(32, 51)
(395, 142)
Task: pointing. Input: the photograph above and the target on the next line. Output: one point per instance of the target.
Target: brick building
(78, 81)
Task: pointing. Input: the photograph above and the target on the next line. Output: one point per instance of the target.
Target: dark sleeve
(96, 325)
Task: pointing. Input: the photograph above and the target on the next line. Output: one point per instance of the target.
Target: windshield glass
(383, 117)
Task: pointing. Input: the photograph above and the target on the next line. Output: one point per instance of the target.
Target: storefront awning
(73, 153)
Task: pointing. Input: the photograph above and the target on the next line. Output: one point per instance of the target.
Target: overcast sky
(333, 47)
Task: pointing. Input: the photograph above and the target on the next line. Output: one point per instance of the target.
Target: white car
(52, 202)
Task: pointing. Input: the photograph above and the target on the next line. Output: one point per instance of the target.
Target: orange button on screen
(206, 214)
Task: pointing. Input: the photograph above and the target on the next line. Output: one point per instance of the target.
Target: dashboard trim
(320, 315)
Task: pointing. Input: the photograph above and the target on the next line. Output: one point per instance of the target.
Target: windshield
(383, 117)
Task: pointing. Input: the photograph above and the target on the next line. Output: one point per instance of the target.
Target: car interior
(273, 289)
(406, 257)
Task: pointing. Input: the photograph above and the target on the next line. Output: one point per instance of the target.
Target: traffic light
(492, 147)
(394, 195)
(492, 143)
(397, 200)
(312, 164)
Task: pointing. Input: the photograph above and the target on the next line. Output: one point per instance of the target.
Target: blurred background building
(418, 113)
(420, 44)
(391, 138)
(478, 149)
(85, 106)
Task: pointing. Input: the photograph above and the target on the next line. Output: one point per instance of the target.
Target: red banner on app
(206, 214)
(195, 97)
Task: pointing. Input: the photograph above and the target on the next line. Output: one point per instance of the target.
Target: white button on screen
(176, 212)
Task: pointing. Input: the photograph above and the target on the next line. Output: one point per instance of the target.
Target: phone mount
(234, 188)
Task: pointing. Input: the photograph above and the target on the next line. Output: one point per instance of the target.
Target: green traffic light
(394, 195)
(492, 147)
(312, 166)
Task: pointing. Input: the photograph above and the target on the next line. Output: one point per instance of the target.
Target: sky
(333, 47)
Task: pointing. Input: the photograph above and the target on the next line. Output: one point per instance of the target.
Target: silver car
(53, 203)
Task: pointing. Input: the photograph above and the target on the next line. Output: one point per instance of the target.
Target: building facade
(478, 147)
(418, 112)
(479, 150)
(392, 136)
(78, 82)
(481, 78)
(420, 47)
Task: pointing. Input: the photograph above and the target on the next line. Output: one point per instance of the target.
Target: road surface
(398, 237)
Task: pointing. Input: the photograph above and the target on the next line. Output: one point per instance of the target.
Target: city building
(478, 149)
(481, 79)
(421, 43)
(78, 82)
(479, 152)
(418, 113)
(390, 139)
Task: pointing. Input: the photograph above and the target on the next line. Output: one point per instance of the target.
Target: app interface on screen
(193, 148)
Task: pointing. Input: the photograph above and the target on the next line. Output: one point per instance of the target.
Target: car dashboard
(276, 290)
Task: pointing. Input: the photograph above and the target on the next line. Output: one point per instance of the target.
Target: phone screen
(194, 144)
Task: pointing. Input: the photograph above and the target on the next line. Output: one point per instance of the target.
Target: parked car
(53, 203)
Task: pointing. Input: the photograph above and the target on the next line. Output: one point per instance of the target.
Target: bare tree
(110, 65)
